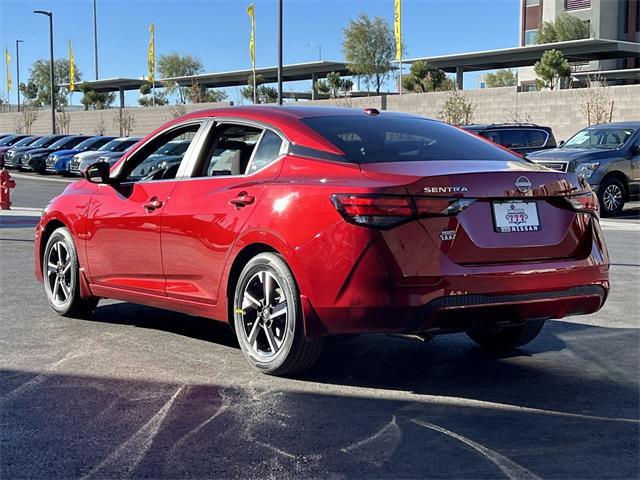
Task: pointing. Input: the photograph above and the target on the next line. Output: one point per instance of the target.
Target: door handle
(242, 200)
(153, 204)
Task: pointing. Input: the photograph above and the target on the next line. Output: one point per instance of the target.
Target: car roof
(617, 124)
(288, 119)
(486, 126)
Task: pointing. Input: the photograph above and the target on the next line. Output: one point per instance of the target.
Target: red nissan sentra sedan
(293, 224)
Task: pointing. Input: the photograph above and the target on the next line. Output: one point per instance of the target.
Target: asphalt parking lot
(142, 392)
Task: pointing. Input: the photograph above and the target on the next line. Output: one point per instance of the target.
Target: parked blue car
(58, 162)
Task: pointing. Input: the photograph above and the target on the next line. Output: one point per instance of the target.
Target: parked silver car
(117, 146)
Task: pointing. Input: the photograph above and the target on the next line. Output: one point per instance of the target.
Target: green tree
(565, 28)
(502, 78)
(95, 100)
(266, 94)
(178, 65)
(334, 85)
(151, 98)
(38, 86)
(369, 47)
(551, 68)
(425, 78)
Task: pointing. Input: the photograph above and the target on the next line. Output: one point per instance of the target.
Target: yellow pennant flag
(151, 58)
(72, 69)
(397, 27)
(7, 59)
(252, 39)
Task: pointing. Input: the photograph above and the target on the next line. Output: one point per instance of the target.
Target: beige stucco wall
(104, 121)
(559, 110)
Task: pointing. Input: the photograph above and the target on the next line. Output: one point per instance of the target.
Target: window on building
(531, 37)
(533, 3)
(576, 4)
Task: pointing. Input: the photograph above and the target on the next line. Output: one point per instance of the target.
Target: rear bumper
(465, 311)
(419, 288)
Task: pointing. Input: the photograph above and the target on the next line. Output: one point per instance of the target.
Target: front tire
(268, 318)
(611, 197)
(61, 273)
(507, 338)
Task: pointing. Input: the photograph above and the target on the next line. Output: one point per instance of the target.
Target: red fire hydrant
(6, 184)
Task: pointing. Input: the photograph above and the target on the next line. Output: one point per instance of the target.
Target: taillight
(585, 202)
(374, 210)
(387, 211)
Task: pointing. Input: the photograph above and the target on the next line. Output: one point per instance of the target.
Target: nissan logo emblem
(523, 184)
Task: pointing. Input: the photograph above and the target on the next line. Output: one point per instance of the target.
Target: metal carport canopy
(293, 72)
(574, 51)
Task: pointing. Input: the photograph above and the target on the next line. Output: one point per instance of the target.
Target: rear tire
(611, 197)
(268, 321)
(61, 275)
(507, 338)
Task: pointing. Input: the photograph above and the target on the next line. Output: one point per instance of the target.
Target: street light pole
(279, 52)
(95, 37)
(319, 47)
(53, 79)
(18, 42)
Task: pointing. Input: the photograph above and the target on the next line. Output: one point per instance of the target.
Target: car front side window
(161, 157)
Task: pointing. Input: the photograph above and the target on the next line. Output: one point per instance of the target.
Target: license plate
(515, 216)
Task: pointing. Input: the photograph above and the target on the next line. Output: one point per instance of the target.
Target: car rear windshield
(387, 138)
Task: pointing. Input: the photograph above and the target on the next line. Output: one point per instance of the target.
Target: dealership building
(607, 19)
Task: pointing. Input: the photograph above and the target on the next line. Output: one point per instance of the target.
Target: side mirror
(97, 173)
(561, 143)
(634, 151)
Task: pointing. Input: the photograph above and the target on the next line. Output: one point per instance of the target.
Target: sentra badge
(445, 189)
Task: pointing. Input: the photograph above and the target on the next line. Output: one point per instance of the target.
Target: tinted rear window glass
(514, 138)
(387, 138)
(537, 138)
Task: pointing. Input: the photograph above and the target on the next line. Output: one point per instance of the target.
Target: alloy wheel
(59, 276)
(264, 314)
(612, 197)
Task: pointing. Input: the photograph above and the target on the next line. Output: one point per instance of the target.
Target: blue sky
(217, 31)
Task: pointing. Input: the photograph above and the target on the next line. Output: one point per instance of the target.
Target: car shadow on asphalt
(544, 414)
(123, 313)
(588, 367)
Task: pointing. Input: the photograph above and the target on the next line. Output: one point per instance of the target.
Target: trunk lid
(518, 214)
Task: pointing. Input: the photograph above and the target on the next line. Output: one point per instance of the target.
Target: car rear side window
(394, 138)
(514, 138)
(266, 152)
(537, 138)
(229, 150)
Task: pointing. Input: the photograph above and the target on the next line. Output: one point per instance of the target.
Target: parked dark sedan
(36, 160)
(607, 156)
(24, 141)
(13, 157)
(522, 138)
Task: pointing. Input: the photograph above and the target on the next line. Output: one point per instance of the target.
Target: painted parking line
(620, 225)
(42, 178)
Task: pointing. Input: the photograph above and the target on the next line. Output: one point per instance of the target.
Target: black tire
(74, 305)
(295, 352)
(507, 338)
(611, 195)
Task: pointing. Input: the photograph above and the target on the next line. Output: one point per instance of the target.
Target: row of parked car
(607, 155)
(61, 154)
